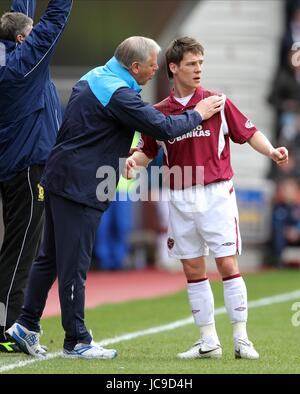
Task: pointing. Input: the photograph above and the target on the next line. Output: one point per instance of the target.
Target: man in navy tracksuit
(104, 110)
(30, 116)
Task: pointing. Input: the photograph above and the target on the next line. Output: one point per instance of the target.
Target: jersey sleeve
(240, 128)
(148, 146)
(127, 107)
(27, 7)
(38, 47)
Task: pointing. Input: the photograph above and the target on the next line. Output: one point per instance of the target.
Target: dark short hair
(177, 49)
(14, 23)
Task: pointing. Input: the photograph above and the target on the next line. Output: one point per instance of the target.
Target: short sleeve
(240, 128)
(148, 145)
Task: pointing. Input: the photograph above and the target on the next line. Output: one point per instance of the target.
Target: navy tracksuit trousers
(66, 250)
(23, 208)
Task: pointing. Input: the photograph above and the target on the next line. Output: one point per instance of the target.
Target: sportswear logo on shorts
(249, 124)
(240, 309)
(170, 243)
(194, 311)
(228, 243)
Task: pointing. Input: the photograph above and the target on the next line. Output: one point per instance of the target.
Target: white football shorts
(203, 219)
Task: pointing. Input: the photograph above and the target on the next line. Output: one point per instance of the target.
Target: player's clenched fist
(280, 155)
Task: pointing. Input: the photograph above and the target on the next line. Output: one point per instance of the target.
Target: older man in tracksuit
(99, 122)
(30, 116)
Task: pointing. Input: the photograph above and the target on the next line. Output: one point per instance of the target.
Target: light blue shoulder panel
(105, 80)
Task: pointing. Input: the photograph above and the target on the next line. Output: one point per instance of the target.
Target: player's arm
(241, 130)
(261, 144)
(27, 7)
(137, 159)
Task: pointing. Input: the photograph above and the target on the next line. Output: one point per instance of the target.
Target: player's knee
(227, 265)
(194, 268)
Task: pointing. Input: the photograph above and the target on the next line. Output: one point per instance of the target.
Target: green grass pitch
(270, 328)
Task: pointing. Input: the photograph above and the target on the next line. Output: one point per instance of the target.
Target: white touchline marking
(276, 299)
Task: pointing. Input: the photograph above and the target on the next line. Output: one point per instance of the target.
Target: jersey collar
(175, 105)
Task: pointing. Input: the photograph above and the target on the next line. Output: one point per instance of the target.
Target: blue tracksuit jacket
(30, 112)
(104, 110)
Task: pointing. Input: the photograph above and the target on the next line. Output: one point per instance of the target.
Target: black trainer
(9, 347)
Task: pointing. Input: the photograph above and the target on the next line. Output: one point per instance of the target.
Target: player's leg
(185, 243)
(235, 296)
(220, 229)
(202, 306)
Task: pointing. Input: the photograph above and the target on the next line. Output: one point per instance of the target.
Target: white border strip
(167, 327)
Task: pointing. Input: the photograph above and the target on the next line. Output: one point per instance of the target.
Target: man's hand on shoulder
(209, 106)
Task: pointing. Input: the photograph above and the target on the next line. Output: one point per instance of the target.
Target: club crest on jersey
(170, 243)
(249, 124)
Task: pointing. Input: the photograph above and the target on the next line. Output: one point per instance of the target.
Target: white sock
(209, 334)
(240, 330)
(202, 304)
(235, 296)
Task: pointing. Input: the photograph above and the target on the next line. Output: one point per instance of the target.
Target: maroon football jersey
(207, 146)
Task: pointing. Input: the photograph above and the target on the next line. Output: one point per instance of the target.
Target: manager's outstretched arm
(37, 49)
(27, 7)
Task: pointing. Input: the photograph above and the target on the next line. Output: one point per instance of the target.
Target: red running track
(115, 287)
